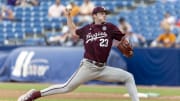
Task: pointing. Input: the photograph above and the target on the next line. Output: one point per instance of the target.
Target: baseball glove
(125, 48)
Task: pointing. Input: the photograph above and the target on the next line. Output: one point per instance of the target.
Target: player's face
(101, 17)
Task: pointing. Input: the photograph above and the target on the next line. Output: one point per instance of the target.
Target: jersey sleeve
(116, 33)
(80, 32)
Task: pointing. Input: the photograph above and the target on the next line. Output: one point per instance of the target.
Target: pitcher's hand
(68, 11)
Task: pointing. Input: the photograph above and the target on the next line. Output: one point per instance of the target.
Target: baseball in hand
(69, 7)
(68, 10)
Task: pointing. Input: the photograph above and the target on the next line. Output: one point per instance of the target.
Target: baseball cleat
(27, 96)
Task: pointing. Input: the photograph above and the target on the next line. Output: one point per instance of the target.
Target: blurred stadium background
(27, 56)
(32, 24)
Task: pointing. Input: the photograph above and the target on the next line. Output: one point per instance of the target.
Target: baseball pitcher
(98, 37)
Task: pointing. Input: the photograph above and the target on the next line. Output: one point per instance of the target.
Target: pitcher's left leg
(112, 74)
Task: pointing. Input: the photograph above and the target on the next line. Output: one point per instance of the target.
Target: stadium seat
(144, 19)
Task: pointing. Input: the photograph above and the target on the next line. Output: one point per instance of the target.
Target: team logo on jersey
(104, 28)
(95, 36)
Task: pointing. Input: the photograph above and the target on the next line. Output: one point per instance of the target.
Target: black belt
(99, 64)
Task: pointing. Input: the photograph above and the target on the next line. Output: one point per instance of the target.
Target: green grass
(83, 100)
(163, 91)
(22, 86)
(69, 100)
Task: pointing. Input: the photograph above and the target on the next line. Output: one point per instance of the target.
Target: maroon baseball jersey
(98, 40)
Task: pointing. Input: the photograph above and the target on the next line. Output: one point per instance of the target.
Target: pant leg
(82, 75)
(111, 74)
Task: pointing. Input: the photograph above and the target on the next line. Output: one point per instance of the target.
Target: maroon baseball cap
(100, 9)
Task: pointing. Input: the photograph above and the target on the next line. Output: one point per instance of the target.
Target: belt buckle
(99, 64)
